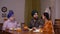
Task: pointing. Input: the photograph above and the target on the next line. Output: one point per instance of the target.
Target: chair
(1, 24)
(22, 25)
(57, 26)
(4, 32)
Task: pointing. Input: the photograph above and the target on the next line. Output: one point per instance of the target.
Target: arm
(18, 25)
(30, 25)
(4, 26)
(41, 22)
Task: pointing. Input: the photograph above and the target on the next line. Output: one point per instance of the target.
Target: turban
(33, 12)
(10, 13)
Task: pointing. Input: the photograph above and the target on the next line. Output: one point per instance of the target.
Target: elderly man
(11, 22)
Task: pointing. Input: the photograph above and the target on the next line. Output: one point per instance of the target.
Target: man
(11, 22)
(35, 21)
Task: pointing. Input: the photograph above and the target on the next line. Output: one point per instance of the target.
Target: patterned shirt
(36, 23)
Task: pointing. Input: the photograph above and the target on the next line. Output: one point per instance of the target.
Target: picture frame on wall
(4, 9)
(4, 15)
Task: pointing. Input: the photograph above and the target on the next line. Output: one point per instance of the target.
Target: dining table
(24, 32)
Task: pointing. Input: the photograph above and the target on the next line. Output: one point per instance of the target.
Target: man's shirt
(8, 24)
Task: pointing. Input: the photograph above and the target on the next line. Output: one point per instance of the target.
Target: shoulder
(31, 20)
(49, 22)
(6, 21)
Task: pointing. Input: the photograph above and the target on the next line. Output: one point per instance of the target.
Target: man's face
(12, 18)
(35, 15)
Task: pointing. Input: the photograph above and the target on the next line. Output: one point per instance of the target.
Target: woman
(48, 26)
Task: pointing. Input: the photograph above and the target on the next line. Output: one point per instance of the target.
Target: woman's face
(35, 15)
(43, 17)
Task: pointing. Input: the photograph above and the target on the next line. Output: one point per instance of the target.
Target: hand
(34, 28)
(7, 30)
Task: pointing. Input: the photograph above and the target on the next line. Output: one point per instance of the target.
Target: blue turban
(10, 13)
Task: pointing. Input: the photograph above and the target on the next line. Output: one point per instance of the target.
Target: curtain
(29, 6)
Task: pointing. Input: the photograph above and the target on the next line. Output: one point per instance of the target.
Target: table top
(32, 32)
(4, 32)
(25, 32)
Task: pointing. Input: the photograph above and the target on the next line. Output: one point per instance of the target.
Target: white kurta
(8, 24)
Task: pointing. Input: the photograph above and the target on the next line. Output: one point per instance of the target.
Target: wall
(18, 6)
(57, 9)
(45, 4)
(29, 6)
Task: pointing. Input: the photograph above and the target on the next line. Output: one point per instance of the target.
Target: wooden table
(32, 33)
(4, 32)
(25, 32)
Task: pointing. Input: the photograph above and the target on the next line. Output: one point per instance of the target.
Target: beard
(36, 18)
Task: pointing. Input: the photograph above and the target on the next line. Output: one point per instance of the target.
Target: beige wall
(57, 9)
(55, 4)
(45, 4)
(18, 6)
